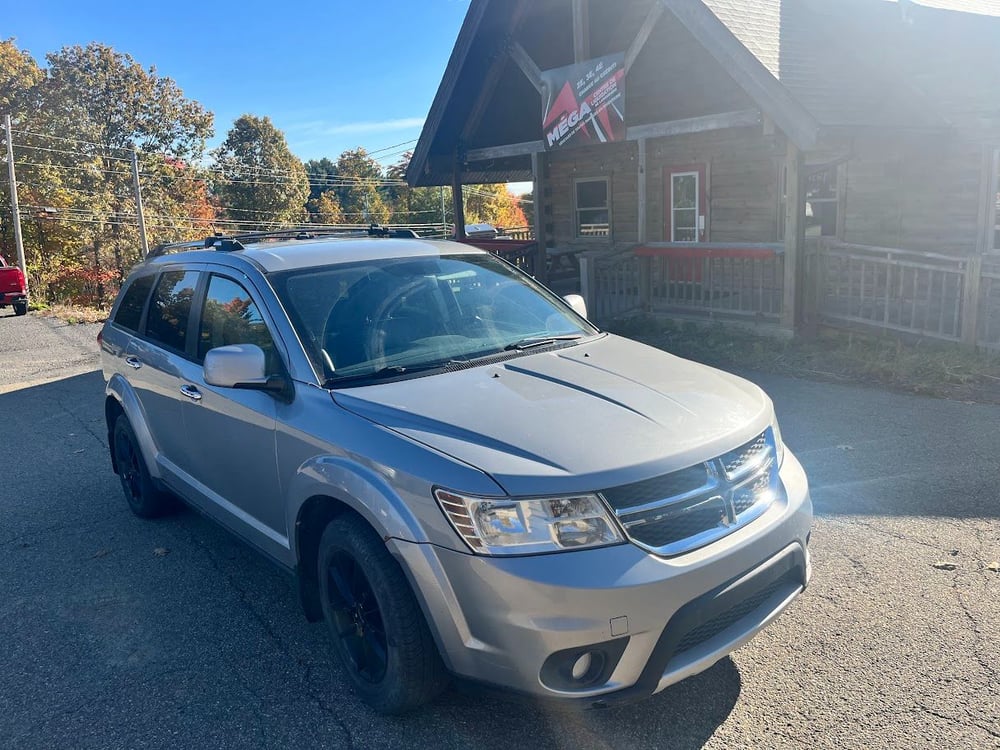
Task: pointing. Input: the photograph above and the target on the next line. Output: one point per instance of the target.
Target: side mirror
(578, 304)
(240, 366)
(228, 366)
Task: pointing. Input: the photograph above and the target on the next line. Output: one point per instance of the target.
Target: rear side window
(170, 309)
(133, 301)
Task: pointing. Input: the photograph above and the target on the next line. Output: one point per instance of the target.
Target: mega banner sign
(584, 103)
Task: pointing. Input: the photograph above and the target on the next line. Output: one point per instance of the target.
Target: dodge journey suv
(465, 476)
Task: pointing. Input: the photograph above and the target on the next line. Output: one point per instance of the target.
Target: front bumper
(520, 622)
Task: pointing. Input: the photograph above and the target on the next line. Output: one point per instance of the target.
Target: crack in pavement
(905, 538)
(975, 627)
(49, 530)
(271, 635)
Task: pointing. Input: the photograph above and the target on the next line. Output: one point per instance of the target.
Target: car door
(154, 361)
(230, 432)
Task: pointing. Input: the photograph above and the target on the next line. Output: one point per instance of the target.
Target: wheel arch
(120, 398)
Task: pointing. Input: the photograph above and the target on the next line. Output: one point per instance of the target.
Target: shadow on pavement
(682, 716)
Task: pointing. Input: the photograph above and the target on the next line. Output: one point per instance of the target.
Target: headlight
(518, 526)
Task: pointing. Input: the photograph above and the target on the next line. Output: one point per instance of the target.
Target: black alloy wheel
(357, 619)
(144, 498)
(377, 627)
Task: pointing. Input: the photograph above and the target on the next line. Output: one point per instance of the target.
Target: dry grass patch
(75, 313)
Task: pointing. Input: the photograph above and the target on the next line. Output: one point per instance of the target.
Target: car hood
(601, 413)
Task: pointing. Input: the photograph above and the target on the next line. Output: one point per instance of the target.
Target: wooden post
(456, 194)
(587, 284)
(581, 30)
(795, 213)
(538, 214)
(645, 262)
(972, 284)
(641, 190)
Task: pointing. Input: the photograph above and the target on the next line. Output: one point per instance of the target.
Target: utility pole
(18, 240)
(444, 220)
(138, 203)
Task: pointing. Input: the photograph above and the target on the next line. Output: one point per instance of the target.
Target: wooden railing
(912, 292)
(738, 280)
(610, 285)
(520, 233)
(949, 297)
(528, 256)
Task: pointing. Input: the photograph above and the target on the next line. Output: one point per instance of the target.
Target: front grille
(747, 456)
(747, 494)
(651, 490)
(686, 509)
(738, 611)
(663, 526)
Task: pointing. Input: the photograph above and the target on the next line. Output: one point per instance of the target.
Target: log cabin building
(754, 134)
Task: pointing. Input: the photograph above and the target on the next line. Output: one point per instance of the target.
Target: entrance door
(685, 206)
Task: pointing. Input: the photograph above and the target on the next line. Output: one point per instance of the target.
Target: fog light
(582, 666)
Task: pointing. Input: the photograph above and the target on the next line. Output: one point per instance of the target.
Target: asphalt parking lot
(117, 632)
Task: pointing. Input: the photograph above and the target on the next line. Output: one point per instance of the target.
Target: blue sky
(332, 75)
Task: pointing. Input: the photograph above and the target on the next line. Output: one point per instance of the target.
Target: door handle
(191, 392)
(133, 362)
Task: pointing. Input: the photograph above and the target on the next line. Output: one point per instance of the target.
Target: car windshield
(400, 316)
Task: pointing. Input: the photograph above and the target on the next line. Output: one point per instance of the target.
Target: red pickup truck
(13, 290)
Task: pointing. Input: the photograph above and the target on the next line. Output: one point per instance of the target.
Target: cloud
(355, 128)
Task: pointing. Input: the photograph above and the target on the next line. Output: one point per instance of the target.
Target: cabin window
(593, 208)
(823, 198)
(822, 202)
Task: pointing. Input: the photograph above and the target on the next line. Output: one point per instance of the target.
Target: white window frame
(840, 200)
(576, 209)
(697, 206)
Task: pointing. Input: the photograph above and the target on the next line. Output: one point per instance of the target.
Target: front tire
(142, 495)
(377, 627)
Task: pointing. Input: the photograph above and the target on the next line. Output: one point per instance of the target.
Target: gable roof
(807, 64)
(866, 62)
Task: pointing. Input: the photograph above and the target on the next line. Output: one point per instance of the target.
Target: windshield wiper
(533, 341)
(389, 371)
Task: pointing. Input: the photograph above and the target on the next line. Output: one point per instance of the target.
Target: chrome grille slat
(686, 509)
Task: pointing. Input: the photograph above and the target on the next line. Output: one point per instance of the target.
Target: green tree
(262, 183)
(422, 205)
(322, 172)
(358, 195)
(527, 204)
(20, 77)
(106, 103)
(492, 204)
(325, 209)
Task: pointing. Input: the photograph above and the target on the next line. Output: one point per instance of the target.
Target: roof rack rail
(239, 241)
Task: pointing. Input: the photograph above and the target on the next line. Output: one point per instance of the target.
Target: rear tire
(142, 495)
(20, 308)
(377, 627)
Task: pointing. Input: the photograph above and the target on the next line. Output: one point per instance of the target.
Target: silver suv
(463, 474)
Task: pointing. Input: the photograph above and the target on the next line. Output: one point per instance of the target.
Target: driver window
(229, 316)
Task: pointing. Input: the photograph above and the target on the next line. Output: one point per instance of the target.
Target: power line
(389, 148)
(70, 140)
(71, 153)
